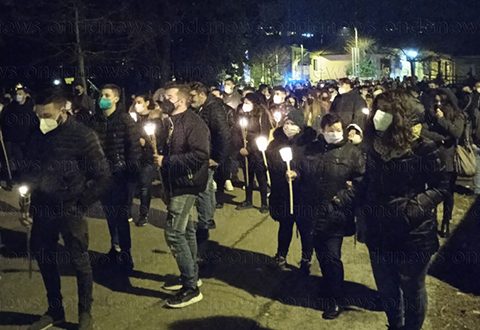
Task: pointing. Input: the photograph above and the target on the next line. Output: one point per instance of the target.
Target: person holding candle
(69, 175)
(329, 163)
(294, 135)
(184, 164)
(254, 116)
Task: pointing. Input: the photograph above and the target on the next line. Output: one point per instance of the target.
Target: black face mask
(310, 101)
(78, 92)
(325, 98)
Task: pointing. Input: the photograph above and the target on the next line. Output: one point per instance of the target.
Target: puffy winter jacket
(324, 173)
(186, 155)
(120, 141)
(18, 122)
(398, 197)
(65, 166)
(213, 113)
(349, 108)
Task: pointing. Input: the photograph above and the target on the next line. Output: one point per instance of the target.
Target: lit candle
(262, 143)
(287, 157)
(244, 124)
(277, 116)
(134, 116)
(366, 111)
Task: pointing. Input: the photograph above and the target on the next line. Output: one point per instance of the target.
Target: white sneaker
(228, 185)
(177, 286)
(214, 186)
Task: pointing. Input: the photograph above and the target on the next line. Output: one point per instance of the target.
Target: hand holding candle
(262, 143)
(150, 130)
(287, 157)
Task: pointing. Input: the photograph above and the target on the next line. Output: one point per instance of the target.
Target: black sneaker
(219, 206)
(264, 209)
(244, 206)
(332, 312)
(85, 321)
(142, 221)
(185, 297)
(48, 320)
(279, 263)
(178, 285)
(392, 327)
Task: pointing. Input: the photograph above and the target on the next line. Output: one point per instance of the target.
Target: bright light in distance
(412, 53)
(150, 129)
(23, 190)
(134, 116)
(365, 111)
(307, 35)
(244, 122)
(262, 143)
(56, 82)
(286, 154)
(277, 116)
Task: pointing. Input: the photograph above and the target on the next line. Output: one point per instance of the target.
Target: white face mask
(333, 137)
(382, 120)
(277, 99)
(356, 139)
(290, 130)
(478, 90)
(228, 89)
(1, 107)
(342, 90)
(48, 124)
(247, 107)
(68, 106)
(19, 98)
(139, 107)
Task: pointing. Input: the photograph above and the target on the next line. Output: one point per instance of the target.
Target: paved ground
(240, 291)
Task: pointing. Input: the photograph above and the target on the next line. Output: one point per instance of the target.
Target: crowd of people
(372, 160)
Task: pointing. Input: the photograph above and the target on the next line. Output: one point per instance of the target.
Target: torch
(287, 157)
(24, 209)
(150, 130)
(277, 116)
(134, 116)
(262, 144)
(244, 124)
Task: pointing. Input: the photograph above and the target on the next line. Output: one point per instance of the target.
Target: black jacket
(18, 122)
(186, 155)
(213, 113)
(280, 196)
(398, 197)
(66, 166)
(445, 132)
(258, 125)
(349, 108)
(120, 141)
(472, 111)
(324, 173)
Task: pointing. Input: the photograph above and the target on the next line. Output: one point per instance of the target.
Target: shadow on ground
(254, 273)
(217, 323)
(22, 319)
(458, 261)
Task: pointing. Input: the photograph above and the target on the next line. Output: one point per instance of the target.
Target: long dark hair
(399, 136)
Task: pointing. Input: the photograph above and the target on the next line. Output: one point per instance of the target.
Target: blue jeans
(181, 238)
(401, 283)
(206, 203)
(476, 178)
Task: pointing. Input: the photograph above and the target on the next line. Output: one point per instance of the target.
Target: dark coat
(398, 197)
(445, 132)
(213, 113)
(324, 173)
(18, 122)
(349, 108)
(280, 196)
(186, 155)
(120, 141)
(65, 166)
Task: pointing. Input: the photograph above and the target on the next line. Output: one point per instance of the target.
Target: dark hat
(296, 116)
(254, 98)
